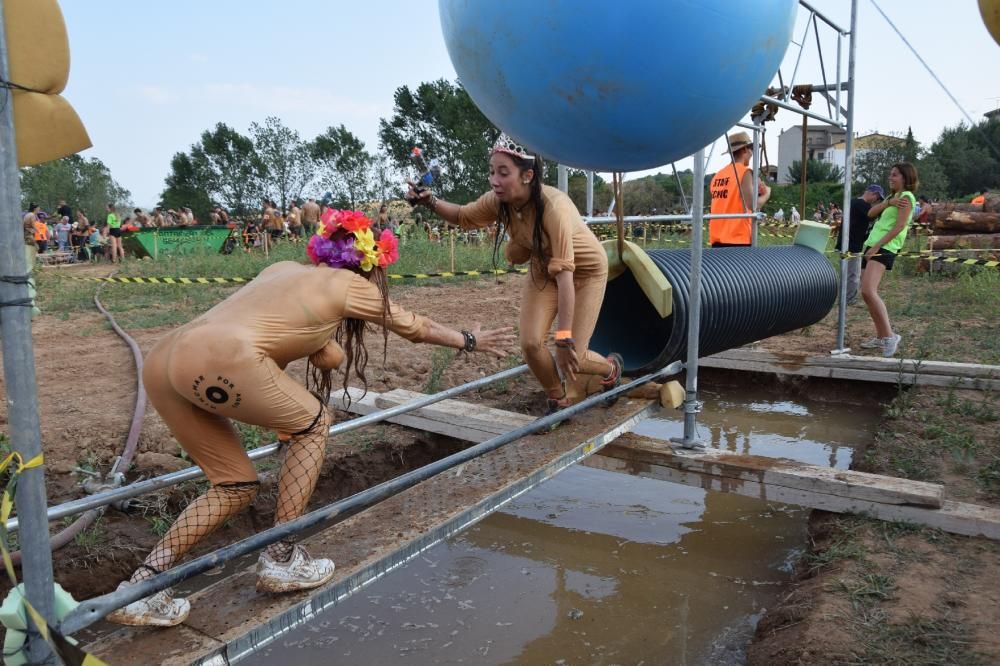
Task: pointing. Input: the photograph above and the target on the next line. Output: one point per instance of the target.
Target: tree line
(236, 170)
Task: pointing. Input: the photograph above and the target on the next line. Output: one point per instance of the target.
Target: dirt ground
(864, 585)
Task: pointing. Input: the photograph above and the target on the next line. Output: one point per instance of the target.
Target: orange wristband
(563, 335)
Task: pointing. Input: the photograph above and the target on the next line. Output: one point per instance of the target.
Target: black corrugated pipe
(748, 294)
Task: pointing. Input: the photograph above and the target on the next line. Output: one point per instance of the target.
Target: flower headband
(505, 144)
(356, 248)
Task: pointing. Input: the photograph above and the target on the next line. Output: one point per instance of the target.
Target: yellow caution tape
(68, 652)
(244, 280)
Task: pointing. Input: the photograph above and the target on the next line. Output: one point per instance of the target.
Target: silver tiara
(505, 144)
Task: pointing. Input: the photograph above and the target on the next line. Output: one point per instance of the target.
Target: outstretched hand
(496, 341)
(417, 195)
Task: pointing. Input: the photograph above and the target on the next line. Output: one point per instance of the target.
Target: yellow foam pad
(672, 394)
(37, 46)
(47, 128)
(651, 279)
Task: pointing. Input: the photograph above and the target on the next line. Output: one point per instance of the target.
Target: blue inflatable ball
(616, 86)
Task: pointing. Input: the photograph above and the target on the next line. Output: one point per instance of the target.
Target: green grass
(441, 358)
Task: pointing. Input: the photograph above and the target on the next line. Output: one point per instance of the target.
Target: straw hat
(739, 140)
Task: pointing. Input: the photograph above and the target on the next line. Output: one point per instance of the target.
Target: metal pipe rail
(151, 485)
(818, 14)
(92, 610)
(791, 107)
(669, 218)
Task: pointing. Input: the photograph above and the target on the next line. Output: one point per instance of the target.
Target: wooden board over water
(230, 619)
(859, 368)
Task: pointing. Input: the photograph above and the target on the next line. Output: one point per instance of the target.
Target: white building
(819, 141)
(825, 144)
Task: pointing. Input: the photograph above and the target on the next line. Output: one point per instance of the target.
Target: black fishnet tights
(299, 473)
(303, 458)
(201, 517)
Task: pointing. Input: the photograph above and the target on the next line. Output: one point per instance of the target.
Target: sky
(147, 78)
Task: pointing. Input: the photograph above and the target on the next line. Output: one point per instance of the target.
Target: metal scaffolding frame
(697, 216)
(19, 372)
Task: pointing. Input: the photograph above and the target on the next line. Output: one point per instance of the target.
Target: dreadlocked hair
(351, 336)
(504, 215)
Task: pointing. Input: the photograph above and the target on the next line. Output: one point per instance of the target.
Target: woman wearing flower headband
(569, 269)
(228, 365)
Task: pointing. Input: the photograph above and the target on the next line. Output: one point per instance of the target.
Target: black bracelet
(470, 342)
(566, 343)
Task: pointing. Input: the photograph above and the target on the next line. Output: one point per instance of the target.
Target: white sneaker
(159, 610)
(872, 343)
(891, 344)
(300, 572)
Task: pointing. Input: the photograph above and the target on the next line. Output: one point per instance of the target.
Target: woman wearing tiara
(569, 269)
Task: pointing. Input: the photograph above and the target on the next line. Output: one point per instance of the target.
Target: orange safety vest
(978, 201)
(41, 231)
(725, 191)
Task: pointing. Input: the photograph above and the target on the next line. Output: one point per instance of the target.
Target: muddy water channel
(595, 567)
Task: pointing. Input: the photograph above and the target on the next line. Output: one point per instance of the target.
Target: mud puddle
(594, 567)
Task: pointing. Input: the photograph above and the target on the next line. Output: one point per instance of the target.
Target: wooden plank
(953, 517)
(739, 468)
(458, 412)
(875, 363)
(235, 620)
(439, 418)
(859, 368)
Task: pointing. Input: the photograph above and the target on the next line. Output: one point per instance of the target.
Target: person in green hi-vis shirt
(115, 232)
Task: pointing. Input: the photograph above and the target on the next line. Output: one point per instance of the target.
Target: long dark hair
(909, 173)
(351, 336)
(504, 216)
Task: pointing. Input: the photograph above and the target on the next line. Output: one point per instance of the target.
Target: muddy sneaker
(872, 343)
(159, 610)
(300, 572)
(891, 344)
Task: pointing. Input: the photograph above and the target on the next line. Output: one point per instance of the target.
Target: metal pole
(563, 177)
(19, 374)
(680, 185)
(755, 165)
(848, 180)
(172, 479)
(691, 405)
(767, 99)
(802, 168)
(92, 610)
(590, 193)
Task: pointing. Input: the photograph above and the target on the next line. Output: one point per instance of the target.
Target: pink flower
(388, 248)
(353, 220)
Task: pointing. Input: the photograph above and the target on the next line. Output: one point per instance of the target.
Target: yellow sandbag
(46, 128)
(37, 46)
(651, 279)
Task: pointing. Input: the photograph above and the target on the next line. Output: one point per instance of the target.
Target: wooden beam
(862, 368)
(461, 420)
(789, 483)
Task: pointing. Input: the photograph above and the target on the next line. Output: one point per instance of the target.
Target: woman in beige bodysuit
(228, 365)
(569, 269)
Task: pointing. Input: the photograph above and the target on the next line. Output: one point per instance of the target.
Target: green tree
(873, 162)
(966, 158)
(85, 184)
(441, 118)
(817, 171)
(911, 147)
(185, 187)
(345, 167)
(288, 163)
(230, 168)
